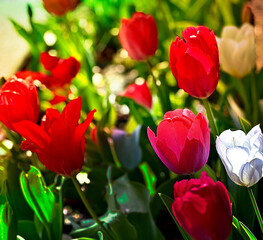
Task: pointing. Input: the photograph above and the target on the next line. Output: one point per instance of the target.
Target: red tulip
(194, 61)
(202, 208)
(18, 101)
(140, 93)
(62, 70)
(60, 7)
(182, 142)
(139, 36)
(59, 142)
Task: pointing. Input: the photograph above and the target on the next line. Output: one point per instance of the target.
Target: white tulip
(237, 52)
(242, 155)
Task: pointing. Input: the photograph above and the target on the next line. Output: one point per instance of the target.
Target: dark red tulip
(140, 93)
(194, 61)
(59, 142)
(202, 208)
(139, 36)
(18, 101)
(60, 7)
(182, 141)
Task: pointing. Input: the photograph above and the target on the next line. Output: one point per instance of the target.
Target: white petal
(251, 172)
(226, 48)
(233, 138)
(237, 156)
(229, 32)
(254, 131)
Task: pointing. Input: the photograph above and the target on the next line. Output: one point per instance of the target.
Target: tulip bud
(140, 93)
(139, 36)
(18, 101)
(202, 208)
(194, 61)
(246, 14)
(242, 155)
(237, 52)
(60, 7)
(182, 141)
(59, 142)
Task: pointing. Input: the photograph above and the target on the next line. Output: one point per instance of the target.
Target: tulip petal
(80, 131)
(255, 138)
(237, 156)
(251, 172)
(193, 156)
(164, 153)
(71, 112)
(48, 61)
(32, 132)
(233, 138)
(174, 133)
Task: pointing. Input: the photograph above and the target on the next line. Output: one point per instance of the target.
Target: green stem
(165, 18)
(254, 95)
(157, 85)
(89, 208)
(114, 154)
(210, 116)
(254, 203)
(239, 85)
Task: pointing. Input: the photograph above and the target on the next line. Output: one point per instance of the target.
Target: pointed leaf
(243, 229)
(245, 124)
(168, 204)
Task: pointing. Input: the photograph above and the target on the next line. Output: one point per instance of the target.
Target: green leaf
(3, 224)
(116, 222)
(245, 124)
(149, 177)
(133, 199)
(26, 35)
(168, 204)
(39, 197)
(27, 230)
(243, 229)
(84, 238)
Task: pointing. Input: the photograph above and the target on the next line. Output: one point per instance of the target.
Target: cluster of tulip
(182, 141)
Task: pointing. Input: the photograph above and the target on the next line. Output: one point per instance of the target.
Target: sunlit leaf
(245, 124)
(39, 197)
(243, 229)
(149, 177)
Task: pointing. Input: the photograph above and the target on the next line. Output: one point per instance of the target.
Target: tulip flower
(202, 208)
(242, 155)
(182, 141)
(60, 7)
(194, 61)
(59, 142)
(62, 70)
(18, 101)
(140, 93)
(237, 50)
(139, 36)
